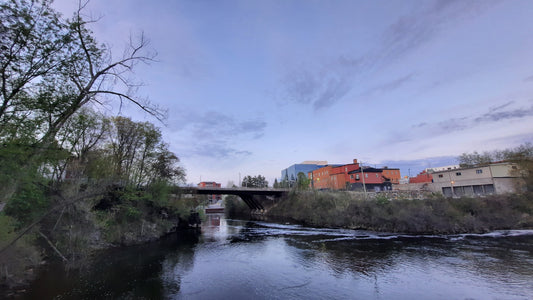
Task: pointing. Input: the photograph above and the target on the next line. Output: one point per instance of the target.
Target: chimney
(355, 161)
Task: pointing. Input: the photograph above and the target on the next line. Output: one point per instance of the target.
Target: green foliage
(276, 184)
(7, 229)
(234, 206)
(255, 181)
(302, 181)
(436, 215)
(28, 202)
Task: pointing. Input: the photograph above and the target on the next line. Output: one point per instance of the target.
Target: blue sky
(252, 87)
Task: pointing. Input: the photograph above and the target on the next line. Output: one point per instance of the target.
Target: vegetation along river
(239, 259)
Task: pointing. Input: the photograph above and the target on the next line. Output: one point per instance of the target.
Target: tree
(50, 68)
(255, 181)
(468, 160)
(302, 181)
(276, 184)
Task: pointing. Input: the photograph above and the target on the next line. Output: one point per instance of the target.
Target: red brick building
(393, 175)
(211, 198)
(332, 176)
(421, 178)
(349, 177)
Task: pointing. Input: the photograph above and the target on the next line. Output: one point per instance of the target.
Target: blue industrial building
(291, 173)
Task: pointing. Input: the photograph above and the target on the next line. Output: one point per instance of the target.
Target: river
(239, 259)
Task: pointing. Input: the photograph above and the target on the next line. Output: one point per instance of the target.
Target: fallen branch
(52, 245)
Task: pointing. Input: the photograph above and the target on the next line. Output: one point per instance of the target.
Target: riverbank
(73, 231)
(434, 215)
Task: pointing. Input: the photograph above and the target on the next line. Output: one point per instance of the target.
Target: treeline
(72, 179)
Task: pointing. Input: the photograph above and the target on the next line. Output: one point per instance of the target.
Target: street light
(453, 192)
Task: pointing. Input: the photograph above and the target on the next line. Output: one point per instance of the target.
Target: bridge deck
(233, 191)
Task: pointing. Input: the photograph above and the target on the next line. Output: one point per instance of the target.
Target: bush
(433, 215)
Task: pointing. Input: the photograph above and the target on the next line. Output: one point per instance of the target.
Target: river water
(238, 259)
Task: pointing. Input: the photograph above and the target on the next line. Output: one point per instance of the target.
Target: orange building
(421, 178)
(393, 175)
(332, 176)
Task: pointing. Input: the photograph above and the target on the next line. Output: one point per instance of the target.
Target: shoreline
(434, 215)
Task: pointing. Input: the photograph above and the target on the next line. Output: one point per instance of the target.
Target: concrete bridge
(253, 197)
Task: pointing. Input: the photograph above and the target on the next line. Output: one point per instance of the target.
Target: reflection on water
(235, 259)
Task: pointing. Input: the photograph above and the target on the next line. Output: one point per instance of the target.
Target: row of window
(479, 171)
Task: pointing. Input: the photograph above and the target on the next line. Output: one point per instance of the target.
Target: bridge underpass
(253, 197)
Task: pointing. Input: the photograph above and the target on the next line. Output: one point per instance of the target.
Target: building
(423, 177)
(494, 178)
(290, 174)
(393, 175)
(370, 179)
(211, 198)
(438, 169)
(350, 177)
(333, 177)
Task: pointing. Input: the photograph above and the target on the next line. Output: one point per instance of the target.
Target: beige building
(495, 178)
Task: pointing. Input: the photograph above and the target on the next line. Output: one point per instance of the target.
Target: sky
(252, 87)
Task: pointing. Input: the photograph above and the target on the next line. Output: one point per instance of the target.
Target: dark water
(235, 259)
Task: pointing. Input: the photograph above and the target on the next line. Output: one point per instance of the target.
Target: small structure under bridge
(257, 199)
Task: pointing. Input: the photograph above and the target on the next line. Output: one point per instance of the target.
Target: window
(351, 176)
(376, 175)
(479, 171)
(366, 175)
(458, 174)
(440, 175)
(357, 177)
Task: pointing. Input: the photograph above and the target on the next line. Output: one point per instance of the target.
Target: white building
(495, 178)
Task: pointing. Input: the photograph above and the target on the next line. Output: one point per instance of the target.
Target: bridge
(250, 196)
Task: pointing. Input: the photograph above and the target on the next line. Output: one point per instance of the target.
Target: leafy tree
(50, 68)
(302, 181)
(468, 160)
(255, 181)
(276, 184)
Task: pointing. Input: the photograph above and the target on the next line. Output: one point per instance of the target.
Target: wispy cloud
(210, 133)
(326, 84)
(415, 166)
(530, 78)
(212, 124)
(391, 85)
(429, 129)
(217, 149)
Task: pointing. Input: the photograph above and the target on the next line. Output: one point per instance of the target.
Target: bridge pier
(250, 196)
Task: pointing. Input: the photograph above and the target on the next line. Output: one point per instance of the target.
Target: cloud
(391, 85)
(217, 149)
(325, 84)
(212, 124)
(209, 133)
(494, 114)
(415, 166)
(497, 115)
(530, 78)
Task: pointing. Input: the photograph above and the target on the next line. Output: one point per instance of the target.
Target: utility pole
(363, 175)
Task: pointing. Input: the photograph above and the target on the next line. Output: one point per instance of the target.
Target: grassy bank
(434, 215)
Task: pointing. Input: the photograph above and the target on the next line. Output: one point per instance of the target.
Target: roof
(367, 169)
(477, 166)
